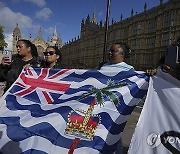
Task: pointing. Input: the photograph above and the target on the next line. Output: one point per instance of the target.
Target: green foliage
(3, 44)
(104, 92)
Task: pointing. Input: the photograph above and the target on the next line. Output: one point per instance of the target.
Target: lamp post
(106, 30)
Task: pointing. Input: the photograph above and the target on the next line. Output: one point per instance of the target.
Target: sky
(65, 15)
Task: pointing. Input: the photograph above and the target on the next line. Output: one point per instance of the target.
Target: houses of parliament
(38, 41)
(148, 34)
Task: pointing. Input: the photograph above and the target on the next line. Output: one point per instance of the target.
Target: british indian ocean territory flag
(65, 111)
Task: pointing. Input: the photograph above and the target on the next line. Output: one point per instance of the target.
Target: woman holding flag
(26, 55)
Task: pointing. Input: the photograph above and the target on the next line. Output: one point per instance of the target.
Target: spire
(121, 17)
(16, 29)
(48, 41)
(54, 37)
(88, 19)
(161, 2)
(94, 16)
(16, 36)
(82, 23)
(40, 32)
(100, 24)
(55, 33)
(30, 37)
(132, 12)
(59, 38)
(59, 41)
(145, 7)
(112, 21)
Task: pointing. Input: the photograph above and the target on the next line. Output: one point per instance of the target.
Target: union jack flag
(68, 110)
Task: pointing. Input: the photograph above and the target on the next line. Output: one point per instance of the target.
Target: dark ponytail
(31, 45)
(34, 50)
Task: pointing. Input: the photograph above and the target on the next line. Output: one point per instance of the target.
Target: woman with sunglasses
(52, 58)
(26, 55)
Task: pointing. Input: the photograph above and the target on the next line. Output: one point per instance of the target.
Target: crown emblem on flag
(82, 124)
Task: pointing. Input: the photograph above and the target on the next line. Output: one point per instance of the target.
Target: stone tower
(94, 17)
(16, 37)
(54, 37)
(89, 27)
(40, 43)
(56, 40)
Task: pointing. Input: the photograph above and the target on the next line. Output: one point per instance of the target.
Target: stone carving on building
(38, 41)
(147, 33)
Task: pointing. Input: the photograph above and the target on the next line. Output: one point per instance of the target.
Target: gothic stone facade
(38, 41)
(148, 34)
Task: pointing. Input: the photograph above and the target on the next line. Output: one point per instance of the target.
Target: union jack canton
(60, 111)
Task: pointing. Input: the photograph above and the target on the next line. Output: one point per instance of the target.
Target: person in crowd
(26, 55)
(163, 67)
(52, 58)
(166, 72)
(117, 53)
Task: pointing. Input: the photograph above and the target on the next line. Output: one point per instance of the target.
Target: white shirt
(116, 67)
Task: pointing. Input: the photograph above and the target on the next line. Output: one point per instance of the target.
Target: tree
(3, 44)
(99, 100)
(104, 92)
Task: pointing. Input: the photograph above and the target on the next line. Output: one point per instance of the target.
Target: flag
(158, 128)
(68, 110)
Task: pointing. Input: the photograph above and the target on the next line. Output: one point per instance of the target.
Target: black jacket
(44, 64)
(11, 73)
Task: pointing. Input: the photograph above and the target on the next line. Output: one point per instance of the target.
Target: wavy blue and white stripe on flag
(52, 111)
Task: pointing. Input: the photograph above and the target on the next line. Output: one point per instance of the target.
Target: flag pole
(106, 30)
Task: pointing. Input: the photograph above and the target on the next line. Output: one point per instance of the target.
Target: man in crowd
(117, 53)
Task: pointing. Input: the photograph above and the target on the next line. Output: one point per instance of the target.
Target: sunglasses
(49, 52)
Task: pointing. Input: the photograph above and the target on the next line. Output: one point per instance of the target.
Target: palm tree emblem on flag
(83, 124)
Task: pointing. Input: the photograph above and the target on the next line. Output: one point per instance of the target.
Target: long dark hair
(31, 45)
(58, 52)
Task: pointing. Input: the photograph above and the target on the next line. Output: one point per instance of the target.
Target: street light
(106, 30)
